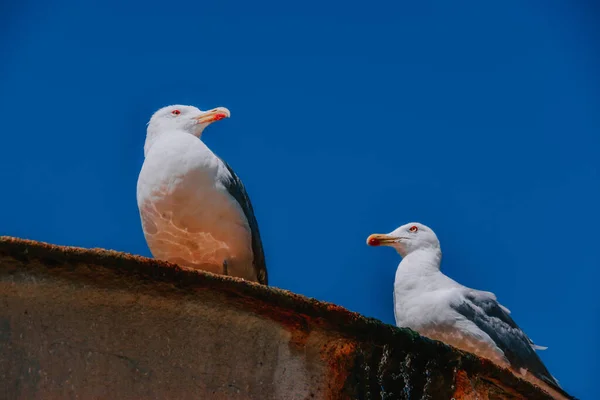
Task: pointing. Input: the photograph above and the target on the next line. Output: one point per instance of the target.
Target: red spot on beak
(373, 241)
(219, 116)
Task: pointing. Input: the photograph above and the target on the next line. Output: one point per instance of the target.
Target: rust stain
(339, 357)
(297, 325)
(465, 389)
(482, 388)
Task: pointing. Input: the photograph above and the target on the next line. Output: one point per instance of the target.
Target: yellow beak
(210, 116)
(381, 239)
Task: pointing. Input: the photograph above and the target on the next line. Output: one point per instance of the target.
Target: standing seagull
(194, 209)
(440, 308)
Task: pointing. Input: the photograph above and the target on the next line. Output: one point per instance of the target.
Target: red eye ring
(175, 112)
(413, 228)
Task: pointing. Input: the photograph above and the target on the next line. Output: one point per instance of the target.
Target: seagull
(437, 307)
(194, 209)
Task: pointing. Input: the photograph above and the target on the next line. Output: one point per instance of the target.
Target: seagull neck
(422, 261)
(153, 135)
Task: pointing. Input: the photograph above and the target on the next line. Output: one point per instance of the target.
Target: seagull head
(186, 118)
(406, 239)
(181, 118)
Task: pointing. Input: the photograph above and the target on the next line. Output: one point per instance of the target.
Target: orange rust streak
(339, 356)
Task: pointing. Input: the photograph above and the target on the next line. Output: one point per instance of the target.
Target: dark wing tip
(491, 318)
(262, 276)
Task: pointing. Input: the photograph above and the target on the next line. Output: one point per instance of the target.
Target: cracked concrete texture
(91, 324)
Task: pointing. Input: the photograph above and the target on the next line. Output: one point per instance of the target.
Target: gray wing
(483, 310)
(236, 189)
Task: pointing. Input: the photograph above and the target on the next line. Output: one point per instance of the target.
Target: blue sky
(480, 121)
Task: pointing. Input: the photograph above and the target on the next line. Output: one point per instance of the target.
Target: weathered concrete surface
(94, 324)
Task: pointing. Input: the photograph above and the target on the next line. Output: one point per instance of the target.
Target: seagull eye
(413, 228)
(175, 112)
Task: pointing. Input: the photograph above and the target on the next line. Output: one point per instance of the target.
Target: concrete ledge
(91, 324)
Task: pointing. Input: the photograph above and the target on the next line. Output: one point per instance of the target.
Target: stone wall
(96, 324)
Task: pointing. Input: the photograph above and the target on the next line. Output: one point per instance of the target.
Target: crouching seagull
(194, 209)
(429, 302)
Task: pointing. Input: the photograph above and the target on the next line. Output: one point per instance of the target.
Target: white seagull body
(194, 209)
(436, 306)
